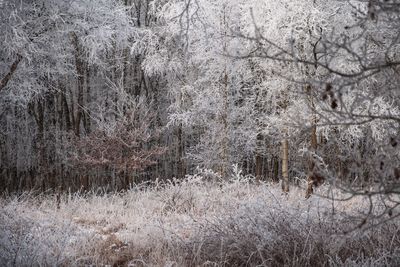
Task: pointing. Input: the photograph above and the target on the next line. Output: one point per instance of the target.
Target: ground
(194, 222)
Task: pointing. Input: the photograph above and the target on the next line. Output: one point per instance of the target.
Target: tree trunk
(313, 144)
(285, 165)
(37, 111)
(225, 140)
(275, 169)
(86, 120)
(310, 180)
(80, 70)
(259, 166)
(181, 163)
(259, 159)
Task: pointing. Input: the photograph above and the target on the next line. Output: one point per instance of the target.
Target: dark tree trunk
(80, 71)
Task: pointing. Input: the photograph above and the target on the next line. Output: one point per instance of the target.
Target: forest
(199, 133)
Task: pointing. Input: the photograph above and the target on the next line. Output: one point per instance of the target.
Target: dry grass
(192, 223)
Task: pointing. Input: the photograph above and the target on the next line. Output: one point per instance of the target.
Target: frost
(159, 224)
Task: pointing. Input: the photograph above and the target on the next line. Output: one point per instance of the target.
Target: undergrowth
(194, 222)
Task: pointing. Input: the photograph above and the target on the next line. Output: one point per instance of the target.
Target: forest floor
(193, 223)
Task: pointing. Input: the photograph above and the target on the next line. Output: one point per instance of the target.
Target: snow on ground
(193, 223)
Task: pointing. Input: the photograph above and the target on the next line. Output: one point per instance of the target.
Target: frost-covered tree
(212, 92)
(353, 107)
(60, 60)
(236, 99)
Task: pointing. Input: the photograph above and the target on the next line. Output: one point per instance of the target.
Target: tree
(214, 88)
(354, 100)
(120, 141)
(67, 56)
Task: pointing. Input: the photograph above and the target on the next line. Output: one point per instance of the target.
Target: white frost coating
(101, 229)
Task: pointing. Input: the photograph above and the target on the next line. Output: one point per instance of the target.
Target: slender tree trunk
(67, 115)
(225, 139)
(285, 165)
(313, 136)
(126, 68)
(181, 163)
(313, 142)
(259, 167)
(79, 65)
(259, 159)
(313, 145)
(86, 121)
(38, 113)
(285, 150)
(275, 169)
